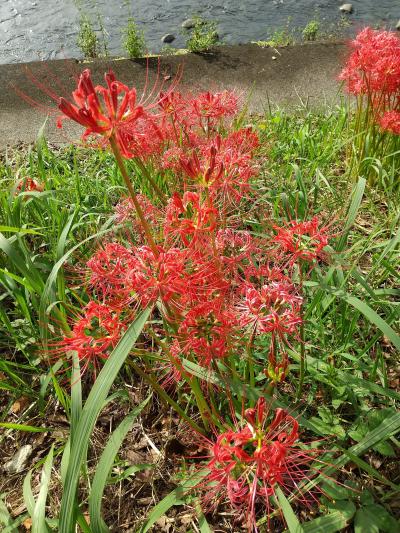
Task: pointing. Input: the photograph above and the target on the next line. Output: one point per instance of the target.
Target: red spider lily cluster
(373, 71)
(219, 288)
(249, 462)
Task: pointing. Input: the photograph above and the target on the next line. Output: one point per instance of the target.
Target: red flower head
(235, 249)
(204, 168)
(247, 464)
(94, 334)
(215, 105)
(207, 331)
(158, 277)
(390, 121)
(110, 111)
(302, 240)
(110, 271)
(190, 219)
(374, 64)
(125, 211)
(275, 308)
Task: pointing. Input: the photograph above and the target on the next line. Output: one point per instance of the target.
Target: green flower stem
(302, 343)
(143, 221)
(150, 179)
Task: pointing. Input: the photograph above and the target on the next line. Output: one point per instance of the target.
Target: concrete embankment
(290, 76)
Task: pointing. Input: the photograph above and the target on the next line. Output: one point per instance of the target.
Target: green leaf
(334, 521)
(290, 517)
(352, 213)
(203, 524)
(28, 494)
(5, 517)
(379, 516)
(176, 497)
(365, 521)
(24, 231)
(22, 427)
(90, 412)
(370, 470)
(104, 466)
(384, 448)
(39, 512)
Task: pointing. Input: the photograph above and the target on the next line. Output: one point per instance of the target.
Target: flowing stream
(47, 29)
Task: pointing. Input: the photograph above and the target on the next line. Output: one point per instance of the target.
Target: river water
(47, 29)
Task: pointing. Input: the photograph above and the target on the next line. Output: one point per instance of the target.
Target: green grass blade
(176, 497)
(28, 494)
(5, 518)
(76, 394)
(352, 213)
(23, 231)
(203, 524)
(290, 517)
(104, 466)
(23, 427)
(90, 412)
(23, 264)
(366, 310)
(332, 522)
(39, 513)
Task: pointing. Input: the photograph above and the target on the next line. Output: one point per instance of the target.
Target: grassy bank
(351, 384)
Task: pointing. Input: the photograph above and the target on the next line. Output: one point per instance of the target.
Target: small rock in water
(188, 24)
(18, 460)
(346, 8)
(398, 25)
(168, 38)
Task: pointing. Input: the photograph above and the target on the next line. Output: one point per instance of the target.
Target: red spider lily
(174, 366)
(110, 273)
(125, 211)
(234, 248)
(374, 64)
(94, 334)
(28, 184)
(203, 168)
(275, 308)
(390, 121)
(215, 105)
(190, 219)
(111, 111)
(234, 154)
(161, 276)
(207, 331)
(302, 240)
(247, 464)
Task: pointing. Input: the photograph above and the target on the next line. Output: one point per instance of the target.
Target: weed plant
(203, 36)
(87, 40)
(133, 39)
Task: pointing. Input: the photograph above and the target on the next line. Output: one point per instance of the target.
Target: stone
(168, 38)
(188, 24)
(17, 462)
(346, 8)
(398, 25)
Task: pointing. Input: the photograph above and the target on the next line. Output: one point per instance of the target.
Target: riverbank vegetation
(199, 313)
